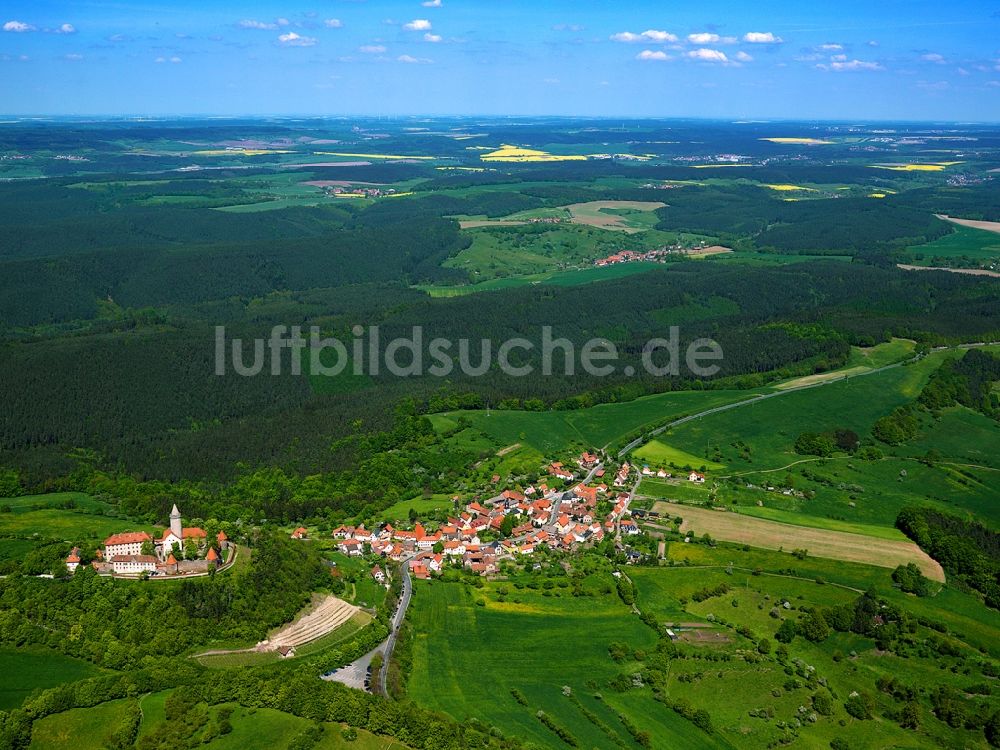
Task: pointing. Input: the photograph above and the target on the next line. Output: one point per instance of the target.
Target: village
(657, 255)
(512, 524)
(583, 510)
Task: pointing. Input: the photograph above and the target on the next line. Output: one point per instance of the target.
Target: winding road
(794, 389)
(353, 675)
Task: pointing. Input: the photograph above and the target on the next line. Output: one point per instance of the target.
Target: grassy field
(49, 518)
(846, 493)
(535, 644)
(29, 668)
(571, 277)
(421, 505)
(79, 728)
(963, 242)
(604, 424)
(834, 545)
(729, 689)
(659, 455)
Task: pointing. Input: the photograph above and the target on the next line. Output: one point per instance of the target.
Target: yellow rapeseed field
(507, 152)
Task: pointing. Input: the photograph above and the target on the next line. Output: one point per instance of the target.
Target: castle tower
(175, 522)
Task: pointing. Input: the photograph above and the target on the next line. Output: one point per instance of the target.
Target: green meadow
(728, 689)
(65, 516)
(660, 455)
(78, 728)
(420, 505)
(537, 645)
(963, 242)
(572, 277)
(553, 432)
(29, 668)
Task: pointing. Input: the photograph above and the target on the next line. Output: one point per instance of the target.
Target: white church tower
(175, 523)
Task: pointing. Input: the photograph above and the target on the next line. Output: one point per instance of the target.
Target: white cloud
(18, 27)
(333, 23)
(708, 38)
(372, 49)
(281, 21)
(66, 28)
(410, 60)
(838, 58)
(761, 37)
(744, 57)
(550, 81)
(249, 23)
(73, 57)
(963, 72)
(933, 57)
(574, 27)
(831, 47)
(418, 24)
(661, 37)
(650, 35)
(708, 55)
(993, 84)
(841, 66)
(433, 38)
(873, 43)
(291, 39)
(431, 3)
(648, 54)
(173, 60)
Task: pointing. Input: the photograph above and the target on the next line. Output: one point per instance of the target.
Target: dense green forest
(968, 551)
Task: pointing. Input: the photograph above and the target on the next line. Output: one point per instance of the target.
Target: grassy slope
(728, 691)
(45, 516)
(978, 244)
(29, 668)
(79, 728)
(468, 658)
(555, 431)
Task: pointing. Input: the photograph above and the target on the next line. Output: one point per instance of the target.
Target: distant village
(656, 255)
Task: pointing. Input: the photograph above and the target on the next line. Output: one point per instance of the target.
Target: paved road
(775, 394)
(397, 622)
(353, 674)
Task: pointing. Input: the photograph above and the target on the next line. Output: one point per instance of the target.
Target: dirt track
(989, 226)
(835, 545)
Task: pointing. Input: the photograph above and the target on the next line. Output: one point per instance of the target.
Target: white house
(127, 543)
(133, 564)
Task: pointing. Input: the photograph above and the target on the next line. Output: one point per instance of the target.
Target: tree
(909, 715)
(148, 548)
(910, 580)
(438, 548)
(764, 646)
(860, 706)
(786, 632)
(822, 703)
(813, 627)
(507, 525)
(814, 444)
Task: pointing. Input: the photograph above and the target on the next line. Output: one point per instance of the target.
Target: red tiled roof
(211, 556)
(128, 537)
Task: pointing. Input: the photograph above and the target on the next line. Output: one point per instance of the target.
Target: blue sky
(808, 60)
